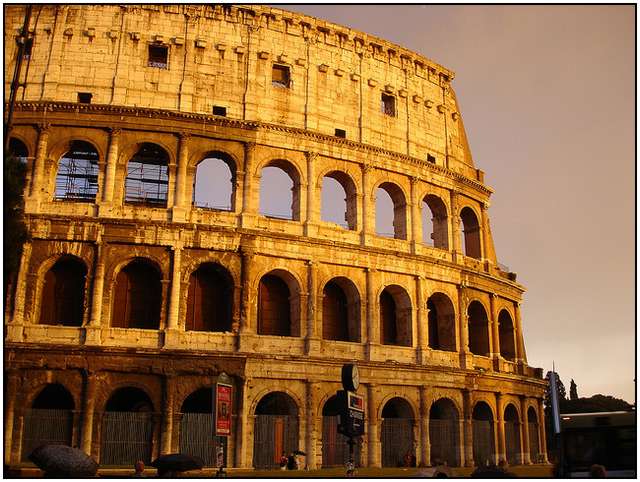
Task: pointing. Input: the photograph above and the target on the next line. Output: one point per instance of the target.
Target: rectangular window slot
(281, 76)
(388, 105)
(431, 159)
(158, 56)
(219, 110)
(28, 46)
(84, 97)
(341, 133)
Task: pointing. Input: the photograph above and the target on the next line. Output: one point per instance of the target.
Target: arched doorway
(397, 432)
(483, 439)
(49, 420)
(196, 427)
(395, 317)
(444, 433)
(512, 435)
(137, 296)
(209, 299)
(63, 293)
(340, 311)
(478, 329)
(275, 431)
(335, 450)
(534, 441)
(127, 428)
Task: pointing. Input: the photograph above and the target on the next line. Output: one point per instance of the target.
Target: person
(351, 468)
(283, 461)
(408, 459)
(291, 462)
(597, 471)
(139, 469)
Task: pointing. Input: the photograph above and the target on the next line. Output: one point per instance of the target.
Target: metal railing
(126, 438)
(335, 450)
(46, 426)
(443, 436)
(397, 440)
(272, 436)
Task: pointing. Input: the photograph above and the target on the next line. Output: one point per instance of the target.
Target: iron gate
(512, 441)
(126, 438)
(397, 440)
(273, 435)
(197, 437)
(335, 450)
(443, 436)
(46, 426)
(483, 442)
(534, 446)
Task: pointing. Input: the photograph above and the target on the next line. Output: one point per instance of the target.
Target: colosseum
(155, 264)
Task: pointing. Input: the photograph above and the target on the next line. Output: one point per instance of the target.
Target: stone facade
(225, 56)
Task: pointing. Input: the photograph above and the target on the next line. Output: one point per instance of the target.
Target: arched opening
(534, 440)
(280, 191)
(395, 317)
(478, 329)
(49, 420)
(214, 182)
(127, 428)
(444, 433)
(63, 293)
(275, 308)
(471, 233)
(335, 450)
(507, 336)
(483, 438)
(391, 211)
(340, 311)
(209, 299)
(18, 149)
(275, 430)
(435, 222)
(77, 178)
(442, 323)
(397, 433)
(512, 434)
(137, 297)
(196, 422)
(339, 200)
(147, 179)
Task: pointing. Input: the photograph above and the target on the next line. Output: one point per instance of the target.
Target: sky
(547, 94)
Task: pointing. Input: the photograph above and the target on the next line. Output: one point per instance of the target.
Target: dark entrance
(397, 432)
(483, 441)
(275, 430)
(335, 450)
(444, 433)
(196, 427)
(512, 435)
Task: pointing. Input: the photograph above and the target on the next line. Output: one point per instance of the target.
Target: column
(526, 448)
(456, 242)
(502, 445)
(110, 174)
(542, 432)
(422, 322)
(367, 230)
(373, 321)
(9, 415)
(312, 342)
(424, 458)
(86, 437)
(179, 210)
(15, 327)
(495, 329)
(310, 227)
(483, 231)
(93, 329)
(171, 331)
(374, 455)
(37, 181)
(167, 416)
(463, 325)
(416, 218)
(242, 429)
(468, 427)
(250, 193)
(246, 329)
(311, 435)
(521, 353)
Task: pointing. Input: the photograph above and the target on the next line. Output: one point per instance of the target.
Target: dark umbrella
(177, 463)
(63, 461)
(298, 452)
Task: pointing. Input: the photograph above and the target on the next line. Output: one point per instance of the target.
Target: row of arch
(214, 184)
(276, 428)
(138, 294)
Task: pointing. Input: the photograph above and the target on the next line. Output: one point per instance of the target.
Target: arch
(478, 329)
(471, 233)
(127, 427)
(214, 182)
(397, 435)
(278, 178)
(512, 434)
(275, 430)
(278, 310)
(49, 420)
(77, 177)
(339, 199)
(395, 316)
(137, 298)
(196, 420)
(444, 433)
(335, 449)
(198, 401)
(63, 292)
(18, 149)
(147, 180)
(483, 434)
(435, 229)
(209, 299)
(534, 439)
(340, 310)
(506, 334)
(386, 191)
(442, 322)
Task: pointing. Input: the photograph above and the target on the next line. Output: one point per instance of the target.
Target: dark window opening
(219, 110)
(28, 47)
(148, 176)
(388, 105)
(209, 301)
(138, 297)
(84, 97)
(471, 233)
(478, 329)
(274, 312)
(431, 159)
(335, 315)
(63, 293)
(388, 319)
(18, 150)
(281, 76)
(77, 178)
(158, 56)
(341, 133)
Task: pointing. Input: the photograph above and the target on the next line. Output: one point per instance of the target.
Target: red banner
(223, 409)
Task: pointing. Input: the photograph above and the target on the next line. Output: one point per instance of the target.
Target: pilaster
(38, 188)
(310, 223)
(526, 447)
(179, 210)
(93, 329)
(172, 335)
(250, 191)
(106, 206)
(15, 326)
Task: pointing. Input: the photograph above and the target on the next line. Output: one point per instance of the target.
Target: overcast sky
(547, 97)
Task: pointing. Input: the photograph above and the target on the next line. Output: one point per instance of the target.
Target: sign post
(351, 411)
(222, 408)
